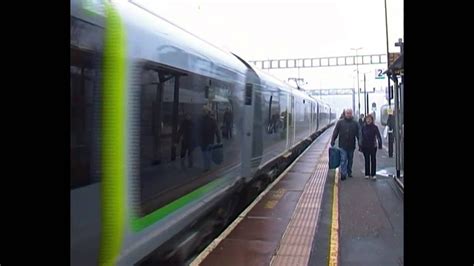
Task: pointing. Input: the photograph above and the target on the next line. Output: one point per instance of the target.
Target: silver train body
(134, 77)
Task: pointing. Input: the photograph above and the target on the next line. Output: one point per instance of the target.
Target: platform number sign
(379, 74)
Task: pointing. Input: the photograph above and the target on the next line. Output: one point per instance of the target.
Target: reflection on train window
(283, 110)
(186, 121)
(274, 140)
(272, 121)
(86, 49)
(313, 118)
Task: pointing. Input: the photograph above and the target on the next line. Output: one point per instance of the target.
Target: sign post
(393, 57)
(379, 74)
(389, 93)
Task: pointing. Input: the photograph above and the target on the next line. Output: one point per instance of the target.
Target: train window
(301, 120)
(274, 137)
(283, 113)
(272, 120)
(292, 111)
(183, 118)
(270, 110)
(85, 80)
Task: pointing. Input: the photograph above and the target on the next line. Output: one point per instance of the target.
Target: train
(135, 197)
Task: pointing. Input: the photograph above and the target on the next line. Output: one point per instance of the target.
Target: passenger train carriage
(134, 78)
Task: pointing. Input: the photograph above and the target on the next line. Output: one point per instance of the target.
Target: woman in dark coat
(370, 134)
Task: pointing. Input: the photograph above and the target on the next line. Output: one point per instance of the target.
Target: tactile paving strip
(295, 246)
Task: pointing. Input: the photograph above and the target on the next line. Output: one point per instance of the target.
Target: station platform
(386, 165)
(308, 216)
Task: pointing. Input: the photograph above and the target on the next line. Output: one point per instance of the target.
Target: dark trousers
(390, 144)
(347, 157)
(370, 162)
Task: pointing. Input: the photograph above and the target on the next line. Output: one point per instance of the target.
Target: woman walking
(370, 135)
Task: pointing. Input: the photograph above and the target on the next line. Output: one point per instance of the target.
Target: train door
(86, 127)
(252, 135)
(258, 126)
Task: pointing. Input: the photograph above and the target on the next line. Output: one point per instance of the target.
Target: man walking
(348, 131)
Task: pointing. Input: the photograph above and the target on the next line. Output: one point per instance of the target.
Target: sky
(275, 29)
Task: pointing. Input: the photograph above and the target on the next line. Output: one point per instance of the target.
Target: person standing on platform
(391, 127)
(343, 114)
(348, 131)
(361, 120)
(368, 145)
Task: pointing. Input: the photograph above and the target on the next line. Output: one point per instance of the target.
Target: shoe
(343, 177)
(374, 177)
(367, 177)
(350, 175)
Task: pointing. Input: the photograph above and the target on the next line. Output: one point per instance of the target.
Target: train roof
(268, 78)
(321, 101)
(153, 38)
(161, 41)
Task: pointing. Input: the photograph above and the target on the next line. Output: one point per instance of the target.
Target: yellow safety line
(334, 240)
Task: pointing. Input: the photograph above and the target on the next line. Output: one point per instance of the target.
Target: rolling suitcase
(334, 157)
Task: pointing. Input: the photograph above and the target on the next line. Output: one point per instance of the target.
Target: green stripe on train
(113, 139)
(139, 224)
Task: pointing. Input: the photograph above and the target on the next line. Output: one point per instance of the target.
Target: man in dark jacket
(348, 131)
(208, 131)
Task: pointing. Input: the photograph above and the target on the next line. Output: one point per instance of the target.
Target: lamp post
(366, 105)
(388, 53)
(399, 149)
(358, 87)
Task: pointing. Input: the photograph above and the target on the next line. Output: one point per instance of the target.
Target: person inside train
(209, 130)
(185, 132)
(275, 122)
(228, 121)
(348, 131)
(370, 135)
(283, 116)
